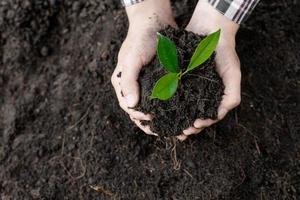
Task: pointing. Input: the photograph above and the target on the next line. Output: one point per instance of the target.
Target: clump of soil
(199, 92)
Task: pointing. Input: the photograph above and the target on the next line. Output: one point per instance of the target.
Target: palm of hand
(228, 67)
(137, 50)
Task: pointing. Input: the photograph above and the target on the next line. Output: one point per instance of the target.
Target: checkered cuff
(236, 10)
(130, 2)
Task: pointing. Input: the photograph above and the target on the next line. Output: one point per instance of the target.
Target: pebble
(40, 152)
(190, 164)
(10, 14)
(91, 180)
(45, 51)
(71, 146)
(35, 193)
(26, 4)
(1, 21)
(83, 13)
(76, 6)
(52, 2)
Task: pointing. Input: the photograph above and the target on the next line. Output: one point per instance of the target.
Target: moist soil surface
(63, 135)
(198, 95)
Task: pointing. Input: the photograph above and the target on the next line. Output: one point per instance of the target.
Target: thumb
(232, 92)
(129, 80)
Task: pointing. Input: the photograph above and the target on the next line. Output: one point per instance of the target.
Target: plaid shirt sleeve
(130, 2)
(236, 10)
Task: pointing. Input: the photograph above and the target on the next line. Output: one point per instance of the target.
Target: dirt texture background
(63, 135)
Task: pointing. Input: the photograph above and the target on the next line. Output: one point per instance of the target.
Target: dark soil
(63, 135)
(198, 95)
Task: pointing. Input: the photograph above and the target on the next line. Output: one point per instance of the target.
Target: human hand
(138, 49)
(206, 20)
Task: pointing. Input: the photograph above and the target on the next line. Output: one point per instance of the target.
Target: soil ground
(63, 135)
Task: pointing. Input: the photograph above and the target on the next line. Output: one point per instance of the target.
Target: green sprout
(166, 86)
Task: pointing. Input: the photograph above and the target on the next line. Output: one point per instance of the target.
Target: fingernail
(155, 134)
(181, 137)
(130, 101)
(222, 112)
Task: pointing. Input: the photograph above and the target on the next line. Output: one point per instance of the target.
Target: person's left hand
(204, 21)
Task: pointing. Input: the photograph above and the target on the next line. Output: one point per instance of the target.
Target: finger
(182, 137)
(192, 130)
(139, 115)
(201, 124)
(116, 82)
(145, 128)
(232, 92)
(116, 79)
(231, 76)
(131, 66)
(120, 78)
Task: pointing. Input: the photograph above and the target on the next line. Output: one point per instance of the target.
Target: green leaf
(167, 53)
(204, 50)
(165, 87)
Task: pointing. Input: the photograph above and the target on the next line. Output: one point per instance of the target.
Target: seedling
(166, 86)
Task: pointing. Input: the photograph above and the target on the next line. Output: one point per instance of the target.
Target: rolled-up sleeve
(130, 2)
(236, 10)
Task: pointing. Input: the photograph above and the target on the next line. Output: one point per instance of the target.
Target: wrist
(153, 14)
(207, 19)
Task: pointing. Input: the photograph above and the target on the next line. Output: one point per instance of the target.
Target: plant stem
(186, 71)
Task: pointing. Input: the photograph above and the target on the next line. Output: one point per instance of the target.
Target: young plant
(167, 85)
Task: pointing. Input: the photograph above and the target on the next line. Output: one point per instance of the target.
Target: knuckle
(113, 77)
(112, 80)
(123, 107)
(238, 73)
(236, 101)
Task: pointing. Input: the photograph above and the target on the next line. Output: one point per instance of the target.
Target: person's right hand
(138, 49)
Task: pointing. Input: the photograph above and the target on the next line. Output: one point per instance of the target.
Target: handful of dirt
(198, 95)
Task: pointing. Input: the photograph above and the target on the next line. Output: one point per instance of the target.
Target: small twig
(257, 147)
(83, 167)
(84, 116)
(241, 125)
(100, 189)
(80, 120)
(243, 178)
(63, 144)
(188, 173)
(255, 138)
(204, 78)
(214, 137)
(236, 117)
(176, 162)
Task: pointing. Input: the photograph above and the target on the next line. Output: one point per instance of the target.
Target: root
(176, 162)
(101, 189)
(82, 166)
(243, 178)
(188, 173)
